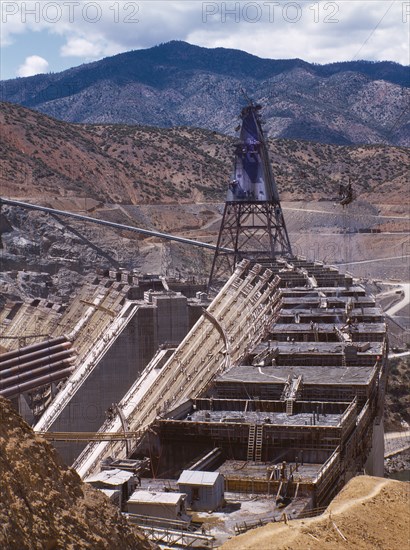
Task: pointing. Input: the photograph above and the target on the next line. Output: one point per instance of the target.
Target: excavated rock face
(44, 504)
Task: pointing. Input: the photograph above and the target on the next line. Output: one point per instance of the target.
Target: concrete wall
(157, 510)
(164, 318)
(172, 317)
(109, 381)
(375, 461)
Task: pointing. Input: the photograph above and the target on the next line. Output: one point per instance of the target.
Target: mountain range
(178, 84)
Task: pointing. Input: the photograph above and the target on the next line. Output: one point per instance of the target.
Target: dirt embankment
(44, 505)
(368, 514)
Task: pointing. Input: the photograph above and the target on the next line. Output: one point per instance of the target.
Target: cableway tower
(253, 226)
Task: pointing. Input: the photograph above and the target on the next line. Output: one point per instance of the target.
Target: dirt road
(368, 513)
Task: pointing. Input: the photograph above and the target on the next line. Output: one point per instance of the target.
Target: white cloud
(322, 32)
(34, 64)
(318, 31)
(80, 47)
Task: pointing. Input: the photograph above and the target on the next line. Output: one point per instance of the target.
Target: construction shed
(116, 480)
(114, 496)
(165, 505)
(205, 490)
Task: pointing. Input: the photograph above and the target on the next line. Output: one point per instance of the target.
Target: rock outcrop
(45, 505)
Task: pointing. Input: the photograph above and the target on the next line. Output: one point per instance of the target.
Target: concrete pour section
(235, 319)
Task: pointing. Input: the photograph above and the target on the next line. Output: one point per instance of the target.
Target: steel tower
(253, 225)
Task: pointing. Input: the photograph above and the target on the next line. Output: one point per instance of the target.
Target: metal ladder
(251, 442)
(289, 407)
(258, 443)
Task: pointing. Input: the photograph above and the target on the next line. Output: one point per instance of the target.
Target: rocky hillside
(171, 180)
(46, 159)
(397, 410)
(44, 505)
(43, 157)
(178, 84)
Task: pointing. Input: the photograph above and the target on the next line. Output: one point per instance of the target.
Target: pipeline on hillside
(29, 365)
(54, 376)
(121, 226)
(35, 373)
(23, 358)
(32, 347)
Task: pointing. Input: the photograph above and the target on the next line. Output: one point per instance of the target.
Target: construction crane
(253, 226)
(346, 197)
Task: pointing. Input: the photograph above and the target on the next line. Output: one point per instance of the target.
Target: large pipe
(32, 347)
(121, 226)
(30, 365)
(26, 357)
(32, 384)
(30, 375)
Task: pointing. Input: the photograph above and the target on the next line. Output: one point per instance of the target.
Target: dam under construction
(270, 377)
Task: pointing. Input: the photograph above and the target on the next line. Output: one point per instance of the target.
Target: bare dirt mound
(44, 505)
(368, 514)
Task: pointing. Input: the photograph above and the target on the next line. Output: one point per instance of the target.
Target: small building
(165, 505)
(114, 495)
(115, 480)
(205, 490)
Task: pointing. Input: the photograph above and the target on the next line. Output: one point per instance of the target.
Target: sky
(41, 36)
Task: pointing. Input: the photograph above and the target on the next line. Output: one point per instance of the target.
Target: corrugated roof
(110, 477)
(148, 497)
(196, 477)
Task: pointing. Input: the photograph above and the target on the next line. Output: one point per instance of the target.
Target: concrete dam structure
(113, 327)
(273, 375)
(302, 383)
(287, 364)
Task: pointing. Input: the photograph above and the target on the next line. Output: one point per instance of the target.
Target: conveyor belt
(106, 223)
(89, 436)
